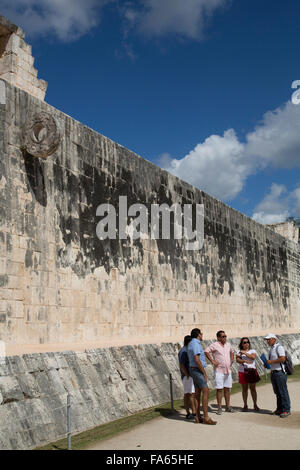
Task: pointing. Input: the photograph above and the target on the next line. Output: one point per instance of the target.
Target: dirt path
(237, 431)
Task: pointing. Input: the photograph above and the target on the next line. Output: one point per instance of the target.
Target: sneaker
(219, 412)
(189, 416)
(230, 410)
(277, 412)
(285, 414)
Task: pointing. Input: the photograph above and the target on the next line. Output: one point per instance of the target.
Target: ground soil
(235, 431)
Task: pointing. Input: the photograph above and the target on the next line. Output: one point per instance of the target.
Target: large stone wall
(59, 283)
(104, 385)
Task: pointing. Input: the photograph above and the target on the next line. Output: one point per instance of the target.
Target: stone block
(29, 386)
(10, 77)
(13, 44)
(10, 389)
(16, 308)
(8, 64)
(34, 362)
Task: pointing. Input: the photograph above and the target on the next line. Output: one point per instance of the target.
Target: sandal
(209, 421)
(198, 420)
(245, 408)
(256, 408)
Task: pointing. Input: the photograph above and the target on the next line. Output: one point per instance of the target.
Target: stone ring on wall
(41, 134)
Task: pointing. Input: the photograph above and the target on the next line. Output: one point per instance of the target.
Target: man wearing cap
(278, 376)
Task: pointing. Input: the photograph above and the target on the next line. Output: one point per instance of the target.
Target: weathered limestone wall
(59, 283)
(104, 384)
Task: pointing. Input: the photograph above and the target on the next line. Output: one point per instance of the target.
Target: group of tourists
(193, 361)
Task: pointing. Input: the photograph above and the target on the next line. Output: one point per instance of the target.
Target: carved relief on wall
(42, 135)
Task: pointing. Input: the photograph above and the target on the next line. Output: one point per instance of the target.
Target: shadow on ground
(292, 422)
(239, 409)
(171, 414)
(251, 413)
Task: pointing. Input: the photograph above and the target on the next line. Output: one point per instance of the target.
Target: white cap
(270, 335)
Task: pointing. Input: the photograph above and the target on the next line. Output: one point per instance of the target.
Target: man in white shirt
(278, 376)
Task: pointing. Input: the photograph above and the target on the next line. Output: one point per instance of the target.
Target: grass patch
(113, 428)
(105, 431)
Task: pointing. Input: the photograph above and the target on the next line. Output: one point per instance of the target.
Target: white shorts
(188, 385)
(223, 380)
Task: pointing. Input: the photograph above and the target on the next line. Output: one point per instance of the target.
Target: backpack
(288, 364)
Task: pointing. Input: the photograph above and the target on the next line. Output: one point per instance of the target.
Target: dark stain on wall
(87, 192)
(35, 168)
(231, 244)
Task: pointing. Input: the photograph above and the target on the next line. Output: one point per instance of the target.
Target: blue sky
(199, 87)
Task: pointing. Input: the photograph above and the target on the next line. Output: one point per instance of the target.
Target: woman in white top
(246, 359)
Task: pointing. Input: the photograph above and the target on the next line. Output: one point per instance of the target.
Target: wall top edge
(69, 352)
(7, 27)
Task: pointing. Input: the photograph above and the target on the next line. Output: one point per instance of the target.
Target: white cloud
(278, 205)
(161, 17)
(66, 19)
(276, 140)
(296, 201)
(70, 19)
(274, 207)
(269, 219)
(221, 164)
(217, 166)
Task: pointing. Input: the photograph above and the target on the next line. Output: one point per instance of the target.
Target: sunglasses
(245, 342)
(224, 336)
